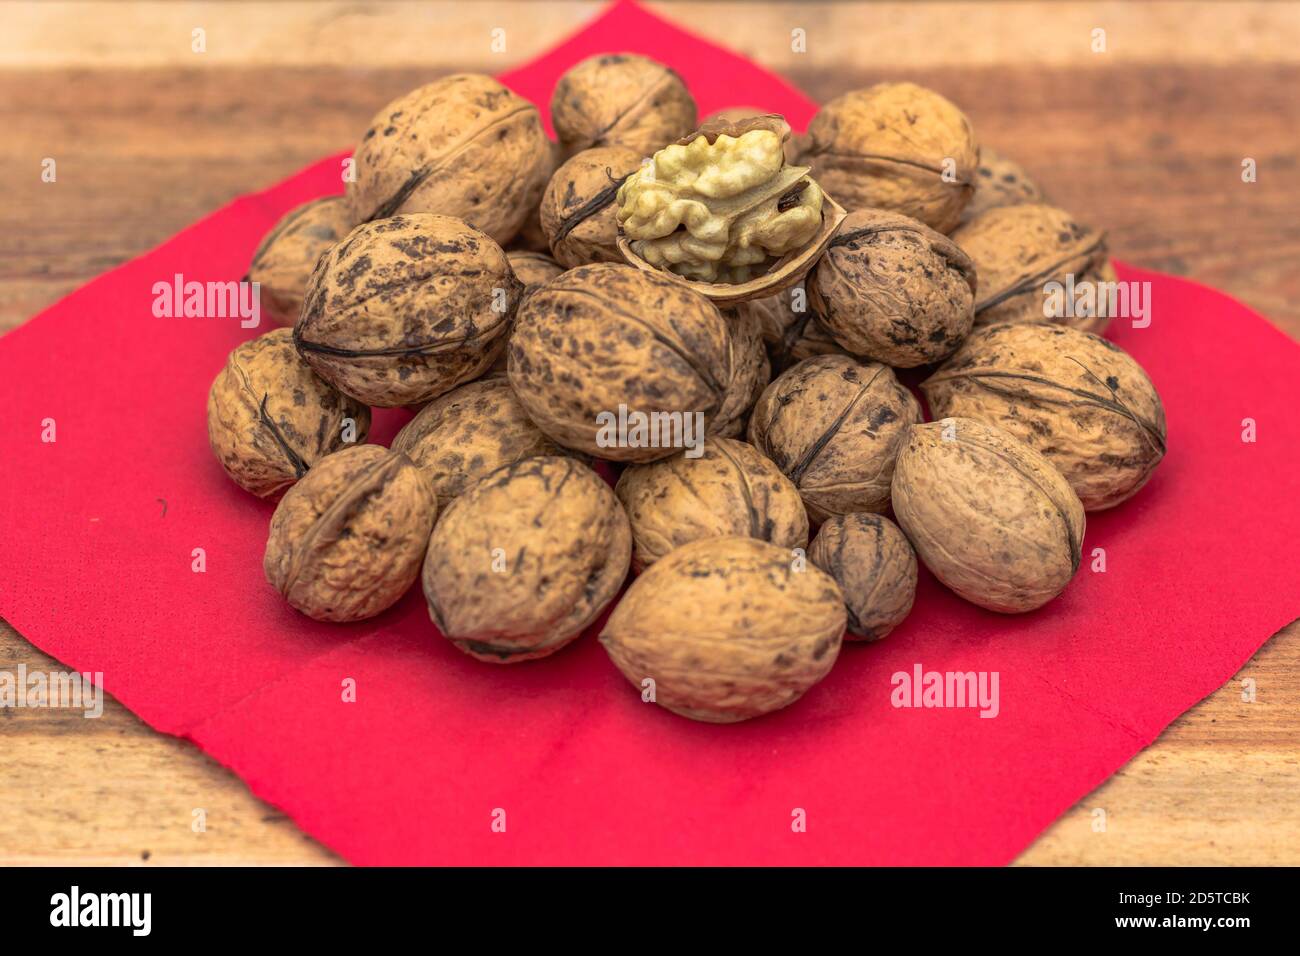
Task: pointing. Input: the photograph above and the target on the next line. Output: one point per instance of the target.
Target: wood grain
(1146, 140)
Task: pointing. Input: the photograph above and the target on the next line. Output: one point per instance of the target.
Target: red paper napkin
(96, 570)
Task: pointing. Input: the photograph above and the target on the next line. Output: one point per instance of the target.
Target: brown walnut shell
(271, 418)
(1077, 398)
(874, 565)
(620, 99)
(726, 629)
(525, 559)
(890, 288)
(1018, 250)
(604, 336)
(462, 146)
(751, 370)
(730, 489)
(579, 215)
(468, 433)
(1000, 182)
(990, 517)
(347, 540)
(407, 308)
(286, 256)
(895, 146)
(531, 237)
(533, 269)
(834, 425)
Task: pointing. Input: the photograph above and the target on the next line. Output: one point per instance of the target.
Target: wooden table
(1146, 138)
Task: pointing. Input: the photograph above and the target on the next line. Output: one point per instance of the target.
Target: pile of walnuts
(672, 349)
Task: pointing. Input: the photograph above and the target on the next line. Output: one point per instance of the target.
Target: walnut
(730, 489)
(778, 317)
(750, 373)
(1073, 396)
(604, 346)
(991, 517)
(287, 254)
(472, 430)
(533, 269)
(1000, 181)
(1018, 250)
(271, 418)
(531, 236)
(407, 308)
(347, 540)
(895, 146)
(721, 206)
(833, 425)
(892, 289)
(621, 100)
(724, 629)
(462, 146)
(874, 565)
(579, 216)
(525, 559)
(733, 115)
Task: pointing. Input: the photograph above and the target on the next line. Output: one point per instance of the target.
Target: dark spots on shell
(881, 415)
(822, 646)
(1112, 383)
(390, 130)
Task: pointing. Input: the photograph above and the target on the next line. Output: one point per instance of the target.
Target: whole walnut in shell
(271, 418)
(728, 490)
(525, 559)
(1077, 398)
(531, 237)
(347, 540)
(895, 146)
(462, 146)
(533, 269)
(874, 565)
(1018, 250)
(286, 256)
(834, 425)
(621, 100)
(727, 629)
(579, 215)
(471, 431)
(1000, 181)
(990, 517)
(750, 373)
(407, 308)
(892, 289)
(604, 340)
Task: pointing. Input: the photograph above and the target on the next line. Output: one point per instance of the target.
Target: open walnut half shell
(722, 212)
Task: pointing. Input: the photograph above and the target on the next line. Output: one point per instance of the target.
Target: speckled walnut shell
(727, 629)
(889, 147)
(579, 215)
(729, 490)
(462, 146)
(531, 237)
(777, 315)
(271, 418)
(833, 425)
(989, 516)
(874, 565)
(407, 308)
(892, 289)
(1017, 250)
(1073, 396)
(604, 335)
(525, 559)
(533, 269)
(286, 256)
(1000, 182)
(471, 431)
(347, 540)
(619, 99)
(751, 370)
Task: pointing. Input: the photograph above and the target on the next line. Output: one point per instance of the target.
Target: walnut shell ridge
(751, 370)
(620, 99)
(727, 628)
(286, 256)
(462, 146)
(730, 489)
(606, 335)
(1077, 398)
(407, 308)
(271, 418)
(874, 565)
(579, 213)
(834, 425)
(890, 147)
(989, 516)
(347, 540)
(890, 288)
(525, 559)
